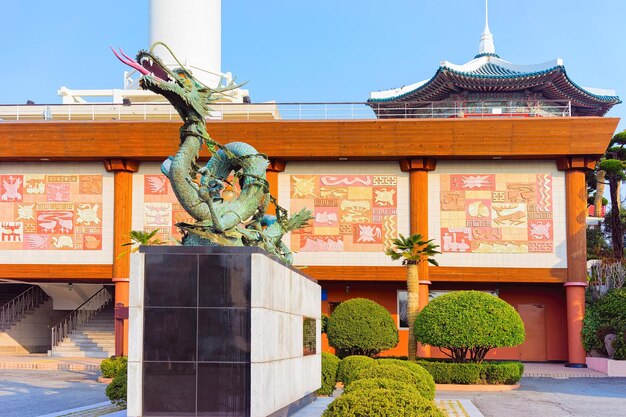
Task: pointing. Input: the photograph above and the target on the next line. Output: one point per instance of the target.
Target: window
(403, 321)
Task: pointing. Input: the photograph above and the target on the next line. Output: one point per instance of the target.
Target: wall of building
(551, 297)
(498, 214)
(154, 203)
(56, 213)
(359, 208)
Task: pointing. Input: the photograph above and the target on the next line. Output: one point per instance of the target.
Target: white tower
(193, 30)
(486, 45)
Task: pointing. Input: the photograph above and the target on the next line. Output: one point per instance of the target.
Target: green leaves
(140, 238)
(361, 326)
(413, 250)
(471, 322)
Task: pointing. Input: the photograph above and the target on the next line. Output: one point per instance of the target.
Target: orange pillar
(576, 214)
(272, 171)
(418, 169)
(123, 209)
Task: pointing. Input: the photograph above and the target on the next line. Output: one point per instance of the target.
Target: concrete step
(83, 337)
(79, 354)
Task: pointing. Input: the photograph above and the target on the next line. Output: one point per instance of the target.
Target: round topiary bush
(330, 363)
(350, 367)
(605, 316)
(390, 371)
(361, 327)
(469, 322)
(422, 383)
(376, 383)
(382, 402)
(425, 383)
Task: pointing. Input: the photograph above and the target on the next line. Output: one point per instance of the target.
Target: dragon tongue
(125, 60)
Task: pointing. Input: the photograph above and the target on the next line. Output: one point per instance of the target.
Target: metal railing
(12, 311)
(80, 316)
(289, 111)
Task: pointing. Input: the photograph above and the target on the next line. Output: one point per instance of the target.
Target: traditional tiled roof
(489, 74)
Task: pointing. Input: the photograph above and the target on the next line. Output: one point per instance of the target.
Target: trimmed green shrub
(361, 327)
(110, 367)
(390, 371)
(469, 322)
(382, 402)
(508, 373)
(350, 367)
(606, 315)
(375, 383)
(425, 382)
(330, 363)
(116, 390)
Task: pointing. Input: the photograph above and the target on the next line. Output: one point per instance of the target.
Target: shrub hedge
(469, 322)
(425, 383)
(330, 363)
(507, 373)
(350, 366)
(604, 316)
(375, 383)
(116, 390)
(390, 371)
(110, 367)
(361, 327)
(382, 402)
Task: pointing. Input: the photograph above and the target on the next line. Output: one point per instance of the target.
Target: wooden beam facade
(530, 138)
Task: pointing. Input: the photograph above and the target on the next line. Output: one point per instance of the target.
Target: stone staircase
(94, 339)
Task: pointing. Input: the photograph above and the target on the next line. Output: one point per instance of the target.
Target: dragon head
(189, 97)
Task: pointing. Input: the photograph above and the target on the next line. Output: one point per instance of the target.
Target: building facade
(486, 158)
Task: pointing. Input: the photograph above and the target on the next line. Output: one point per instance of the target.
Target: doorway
(534, 318)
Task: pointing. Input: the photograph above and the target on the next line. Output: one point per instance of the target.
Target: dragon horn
(130, 62)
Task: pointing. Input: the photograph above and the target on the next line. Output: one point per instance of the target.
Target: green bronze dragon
(239, 222)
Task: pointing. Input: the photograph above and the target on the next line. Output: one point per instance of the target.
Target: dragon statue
(241, 221)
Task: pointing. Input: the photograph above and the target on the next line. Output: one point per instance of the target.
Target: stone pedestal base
(221, 331)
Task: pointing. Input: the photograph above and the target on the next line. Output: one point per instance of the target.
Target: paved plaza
(32, 386)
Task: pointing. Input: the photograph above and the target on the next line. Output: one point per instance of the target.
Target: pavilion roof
(488, 73)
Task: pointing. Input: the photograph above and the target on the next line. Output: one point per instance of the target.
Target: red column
(123, 209)
(576, 216)
(272, 171)
(418, 169)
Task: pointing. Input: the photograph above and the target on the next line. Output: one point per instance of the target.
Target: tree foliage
(361, 327)
(613, 165)
(469, 322)
(413, 250)
(605, 316)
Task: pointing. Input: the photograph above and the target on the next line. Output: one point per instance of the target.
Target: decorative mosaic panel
(161, 209)
(353, 213)
(50, 212)
(496, 213)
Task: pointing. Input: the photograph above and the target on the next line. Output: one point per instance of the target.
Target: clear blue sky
(323, 50)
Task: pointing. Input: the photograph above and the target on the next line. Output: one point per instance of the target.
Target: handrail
(20, 305)
(290, 110)
(80, 316)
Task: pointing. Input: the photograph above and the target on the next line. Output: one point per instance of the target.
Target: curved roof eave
(445, 67)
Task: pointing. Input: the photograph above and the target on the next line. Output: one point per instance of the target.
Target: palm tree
(413, 251)
(140, 238)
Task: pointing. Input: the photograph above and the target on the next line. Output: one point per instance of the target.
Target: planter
(607, 366)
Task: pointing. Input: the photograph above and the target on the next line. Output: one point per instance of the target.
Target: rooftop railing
(287, 111)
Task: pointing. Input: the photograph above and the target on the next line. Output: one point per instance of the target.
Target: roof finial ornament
(486, 46)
